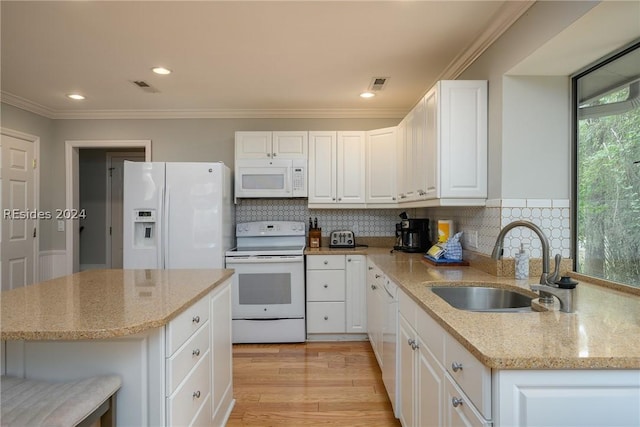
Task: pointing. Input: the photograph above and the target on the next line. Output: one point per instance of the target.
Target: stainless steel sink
(482, 298)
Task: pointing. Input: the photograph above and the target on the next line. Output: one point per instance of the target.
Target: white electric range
(268, 286)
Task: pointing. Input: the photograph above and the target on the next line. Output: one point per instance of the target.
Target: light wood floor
(309, 384)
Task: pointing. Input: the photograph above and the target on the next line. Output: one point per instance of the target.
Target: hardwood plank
(309, 384)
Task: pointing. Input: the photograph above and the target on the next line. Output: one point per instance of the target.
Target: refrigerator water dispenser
(144, 232)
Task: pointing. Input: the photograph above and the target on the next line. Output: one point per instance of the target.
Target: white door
(17, 177)
(115, 182)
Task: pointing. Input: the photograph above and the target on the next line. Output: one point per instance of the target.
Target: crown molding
(25, 104)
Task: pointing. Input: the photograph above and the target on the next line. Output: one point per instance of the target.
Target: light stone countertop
(98, 304)
(603, 333)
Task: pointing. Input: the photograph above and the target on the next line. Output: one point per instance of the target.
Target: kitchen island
(509, 369)
(167, 333)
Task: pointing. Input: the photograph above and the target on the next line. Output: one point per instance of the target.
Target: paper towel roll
(445, 230)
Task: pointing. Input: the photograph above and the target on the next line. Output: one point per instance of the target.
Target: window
(607, 168)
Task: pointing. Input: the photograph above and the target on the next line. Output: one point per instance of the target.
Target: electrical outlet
(471, 239)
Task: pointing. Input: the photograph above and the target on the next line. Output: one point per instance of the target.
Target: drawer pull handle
(196, 394)
(196, 352)
(456, 401)
(456, 366)
(326, 286)
(196, 319)
(326, 317)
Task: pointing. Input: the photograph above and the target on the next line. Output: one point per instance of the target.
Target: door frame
(109, 156)
(35, 140)
(72, 186)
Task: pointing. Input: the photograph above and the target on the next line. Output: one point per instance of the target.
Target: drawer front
(408, 307)
(472, 376)
(458, 409)
(184, 404)
(432, 333)
(326, 285)
(325, 262)
(326, 317)
(183, 326)
(187, 357)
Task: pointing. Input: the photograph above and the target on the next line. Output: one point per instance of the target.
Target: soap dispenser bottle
(522, 263)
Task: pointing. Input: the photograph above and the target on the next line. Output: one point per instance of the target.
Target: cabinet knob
(348, 259)
(370, 268)
(415, 345)
(326, 262)
(196, 319)
(326, 317)
(268, 154)
(196, 352)
(378, 276)
(456, 401)
(374, 287)
(456, 366)
(339, 199)
(410, 342)
(274, 154)
(334, 199)
(196, 394)
(326, 286)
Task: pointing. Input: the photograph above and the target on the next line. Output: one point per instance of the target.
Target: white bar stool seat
(26, 402)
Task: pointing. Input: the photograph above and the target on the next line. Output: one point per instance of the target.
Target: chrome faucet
(548, 286)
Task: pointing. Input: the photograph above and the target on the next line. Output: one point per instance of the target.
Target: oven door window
(264, 289)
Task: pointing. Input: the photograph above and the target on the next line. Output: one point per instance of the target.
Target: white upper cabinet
(381, 165)
(272, 145)
(337, 168)
(444, 147)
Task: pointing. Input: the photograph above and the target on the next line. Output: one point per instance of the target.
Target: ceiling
(238, 58)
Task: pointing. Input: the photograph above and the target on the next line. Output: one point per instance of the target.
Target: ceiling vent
(378, 83)
(145, 86)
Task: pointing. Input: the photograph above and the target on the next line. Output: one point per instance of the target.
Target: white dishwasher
(389, 342)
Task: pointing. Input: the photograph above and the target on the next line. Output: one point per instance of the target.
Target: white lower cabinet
(375, 310)
(336, 295)
(427, 388)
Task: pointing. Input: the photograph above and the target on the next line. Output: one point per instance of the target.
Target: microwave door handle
(288, 179)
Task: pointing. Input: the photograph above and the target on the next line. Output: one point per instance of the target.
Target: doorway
(19, 178)
(73, 179)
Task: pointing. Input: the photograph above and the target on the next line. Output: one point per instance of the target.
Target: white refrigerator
(177, 215)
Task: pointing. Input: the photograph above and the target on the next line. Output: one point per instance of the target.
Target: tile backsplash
(552, 216)
(363, 222)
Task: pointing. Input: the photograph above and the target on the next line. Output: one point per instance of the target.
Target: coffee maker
(412, 235)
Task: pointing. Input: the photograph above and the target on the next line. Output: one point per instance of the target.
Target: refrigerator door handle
(160, 229)
(167, 206)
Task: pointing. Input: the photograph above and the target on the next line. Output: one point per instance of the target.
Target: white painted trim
(84, 267)
(36, 189)
(71, 150)
(109, 156)
(52, 264)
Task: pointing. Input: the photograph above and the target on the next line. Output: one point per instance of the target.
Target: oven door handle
(264, 259)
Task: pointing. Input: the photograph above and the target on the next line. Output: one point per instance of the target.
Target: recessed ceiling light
(161, 70)
(367, 95)
(75, 96)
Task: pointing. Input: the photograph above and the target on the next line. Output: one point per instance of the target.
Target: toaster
(342, 239)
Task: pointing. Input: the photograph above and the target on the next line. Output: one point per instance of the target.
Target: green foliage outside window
(608, 187)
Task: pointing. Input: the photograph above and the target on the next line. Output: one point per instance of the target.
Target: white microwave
(264, 178)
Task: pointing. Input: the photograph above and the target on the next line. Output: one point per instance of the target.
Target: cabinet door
(430, 157)
(290, 145)
(409, 156)
(381, 165)
(356, 294)
(253, 145)
(401, 186)
(462, 123)
(430, 388)
(459, 411)
(351, 167)
(373, 315)
(419, 150)
(322, 167)
(407, 374)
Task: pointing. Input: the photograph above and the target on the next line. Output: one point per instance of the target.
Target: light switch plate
(60, 225)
